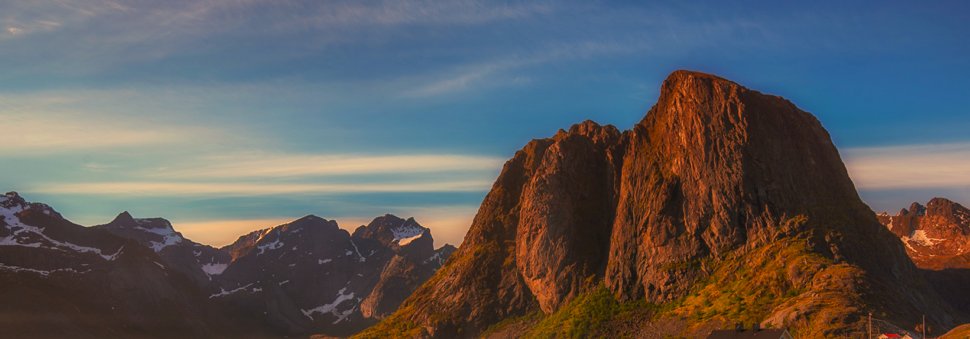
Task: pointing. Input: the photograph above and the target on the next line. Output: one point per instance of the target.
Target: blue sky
(227, 116)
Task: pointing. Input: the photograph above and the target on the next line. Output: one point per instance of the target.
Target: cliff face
(714, 166)
(937, 236)
(712, 176)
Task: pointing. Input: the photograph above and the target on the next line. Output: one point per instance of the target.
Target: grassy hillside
(748, 285)
(960, 332)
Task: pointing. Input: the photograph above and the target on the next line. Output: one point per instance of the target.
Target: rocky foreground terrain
(139, 277)
(722, 205)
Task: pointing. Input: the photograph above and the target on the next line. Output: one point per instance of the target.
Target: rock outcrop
(937, 236)
(712, 176)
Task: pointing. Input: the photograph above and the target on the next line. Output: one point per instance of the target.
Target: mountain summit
(722, 205)
(936, 235)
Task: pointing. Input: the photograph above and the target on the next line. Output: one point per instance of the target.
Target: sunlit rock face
(713, 169)
(937, 236)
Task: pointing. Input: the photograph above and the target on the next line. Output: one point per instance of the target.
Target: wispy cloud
(43, 123)
(91, 36)
(275, 165)
(58, 134)
(462, 12)
(505, 70)
(159, 188)
(909, 166)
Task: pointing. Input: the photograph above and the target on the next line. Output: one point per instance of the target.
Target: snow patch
(405, 241)
(436, 258)
(920, 237)
(225, 293)
(362, 259)
(45, 273)
(407, 232)
(214, 268)
(331, 308)
(20, 231)
(275, 244)
(323, 261)
(167, 241)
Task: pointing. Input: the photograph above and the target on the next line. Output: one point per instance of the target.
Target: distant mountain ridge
(61, 279)
(937, 235)
(310, 276)
(198, 262)
(306, 276)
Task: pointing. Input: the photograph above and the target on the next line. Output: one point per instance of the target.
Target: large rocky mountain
(309, 276)
(937, 236)
(138, 277)
(196, 261)
(722, 205)
(60, 279)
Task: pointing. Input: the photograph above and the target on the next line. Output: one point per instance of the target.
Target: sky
(226, 116)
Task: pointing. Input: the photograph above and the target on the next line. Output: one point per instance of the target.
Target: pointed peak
(12, 197)
(123, 217)
(917, 208)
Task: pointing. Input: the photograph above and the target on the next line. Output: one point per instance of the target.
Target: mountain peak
(917, 208)
(123, 218)
(941, 203)
(684, 75)
(711, 173)
(12, 198)
(391, 229)
(310, 220)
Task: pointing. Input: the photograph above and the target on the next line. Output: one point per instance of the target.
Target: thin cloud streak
(95, 35)
(909, 166)
(473, 76)
(301, 165)
(147, 189)
(60, 133)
